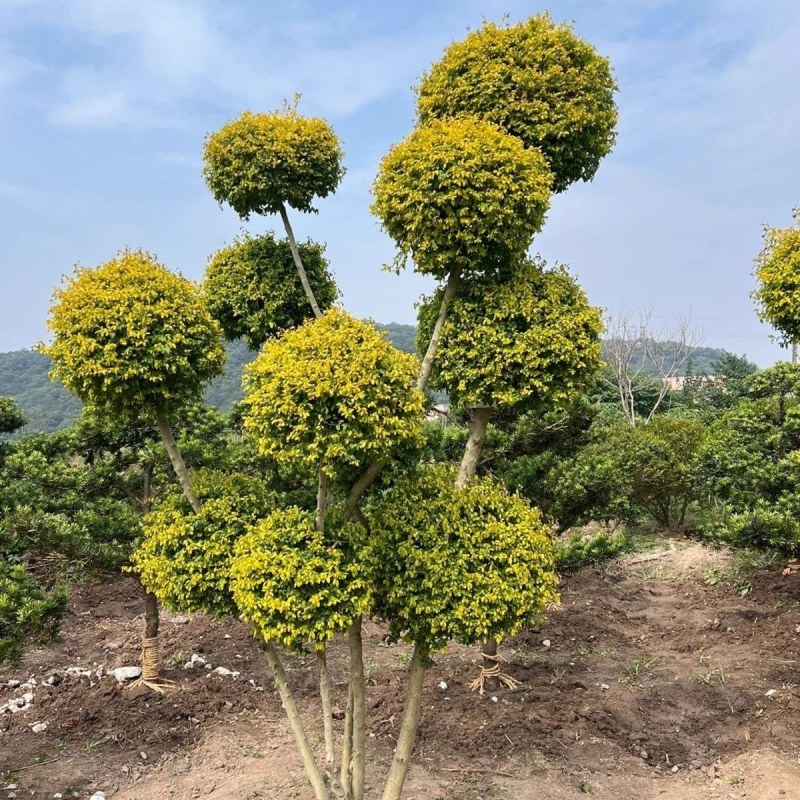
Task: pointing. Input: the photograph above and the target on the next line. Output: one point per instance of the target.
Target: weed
(637, 667)
(91, 745)
(176, 659)
(403, 660)
(716, 676)
(584, 788)
(252, 752)
(558, 674)
(736, 780)
(713, 575)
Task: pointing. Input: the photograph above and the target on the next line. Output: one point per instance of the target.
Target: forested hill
(48, 406)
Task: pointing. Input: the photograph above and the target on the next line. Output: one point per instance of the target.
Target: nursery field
(666, 675)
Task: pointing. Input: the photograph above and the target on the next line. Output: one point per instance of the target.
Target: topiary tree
(301, 582)
(471, 564)
(262, 163)
(314, 397)
(461, 196)
(539, 81)
(778, 274)
(253, 290)
(328, 397)
(146, 360)
(134, 341)
(520, 344)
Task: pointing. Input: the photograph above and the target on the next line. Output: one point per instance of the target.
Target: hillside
(48, 406)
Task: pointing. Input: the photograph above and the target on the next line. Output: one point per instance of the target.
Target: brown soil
(649, 668)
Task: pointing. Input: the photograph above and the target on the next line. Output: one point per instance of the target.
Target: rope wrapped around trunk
(150, 660)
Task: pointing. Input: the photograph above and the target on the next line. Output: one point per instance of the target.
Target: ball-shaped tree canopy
(539, 81)
(462, 192)
(133, 338)
(333, 393)
(297, 585)
(778, 274)
(184, 558)
(468, 564)
(259, 162)
(254, 291)
(530, 341)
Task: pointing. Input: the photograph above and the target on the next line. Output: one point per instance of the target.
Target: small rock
(546, 643)
(57, 796)
(15, 684)
(39, 727)
(605, 687)
(143, 755)
(126, 769)
(226, 636)
(797, 629)
(226, 672)
(495, 699)
(771, 693)
(98, 796)
(674, 769)
(122, 674)
(643, 753)
(442, 685)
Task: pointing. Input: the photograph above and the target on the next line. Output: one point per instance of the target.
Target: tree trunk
(346, 774)
(357, 682)
(178, 464)
(490, 649)
(478, 423)
(430, 354)
(327, 708)
(150, 658)
(301, 270)
(408, 730)
(365, 480)
(295, 723)
(794, 352)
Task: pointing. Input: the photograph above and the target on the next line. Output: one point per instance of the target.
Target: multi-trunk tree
(505, 118)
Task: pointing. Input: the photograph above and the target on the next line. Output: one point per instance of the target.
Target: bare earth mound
(662, 680)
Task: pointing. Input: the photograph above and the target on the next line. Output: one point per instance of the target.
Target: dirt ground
(663, 678)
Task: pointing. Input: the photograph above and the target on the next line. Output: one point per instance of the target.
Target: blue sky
(105, 105)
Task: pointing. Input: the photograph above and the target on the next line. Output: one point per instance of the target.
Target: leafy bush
(26, 611)
(576, 551)
(468, 564)
(297, 585)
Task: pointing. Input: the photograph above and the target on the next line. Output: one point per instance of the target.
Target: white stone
(605, 687)
(771, 693)
(546, 643)
(13, 684)
(123, 674)
(39, 727)
(226, 672)
(98, 796)
(442, 685)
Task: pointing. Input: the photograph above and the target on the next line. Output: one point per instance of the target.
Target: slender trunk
(322, 500)
(295, 723)
(301, 270)
(427, 362)
(367, 478)
(683, 512)
(178, 464)
(478, 423)
(408, 730)
(357, 682)
(150, 658)
(794, 352)
(489, 649)
(346, 775)
(327, 708)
